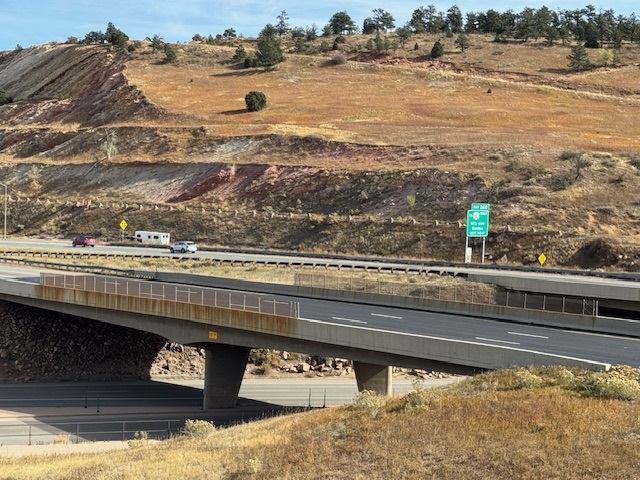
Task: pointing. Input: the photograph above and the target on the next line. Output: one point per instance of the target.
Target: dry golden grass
(252, 272)
(490, 427)
(412, 102)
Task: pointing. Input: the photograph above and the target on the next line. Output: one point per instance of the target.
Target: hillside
(381, 155)
(523, 423)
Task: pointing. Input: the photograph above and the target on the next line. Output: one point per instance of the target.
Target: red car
(84, 240)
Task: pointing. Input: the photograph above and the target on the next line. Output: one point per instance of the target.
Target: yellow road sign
(213, 335)
(123, 224)
(542, 258)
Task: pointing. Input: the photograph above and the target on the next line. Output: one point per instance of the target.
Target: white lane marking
(349, 320)
(527, 335)
(386, 316)
(494, 340)
(604, 365)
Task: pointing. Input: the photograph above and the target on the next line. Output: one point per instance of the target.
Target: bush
(250, 62)
(170, 55)
(420, 398)
(368, 401)
(255, 101)
(198, 428)
(262, 356)
(5, 98)
(438, 50)
(241, 53)
(324, 46)
(339, 59)
(619, 383)
(634, 160)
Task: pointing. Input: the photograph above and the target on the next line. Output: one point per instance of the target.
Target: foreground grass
(524, 423)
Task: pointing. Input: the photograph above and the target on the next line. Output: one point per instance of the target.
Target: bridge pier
(224, 369)
(376, 378)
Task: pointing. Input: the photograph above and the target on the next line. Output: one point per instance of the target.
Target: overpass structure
(231, 317)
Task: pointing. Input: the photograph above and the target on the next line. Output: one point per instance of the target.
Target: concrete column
(223, 371)
(376, 378)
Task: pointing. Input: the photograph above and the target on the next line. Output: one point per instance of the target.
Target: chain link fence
(172, 292)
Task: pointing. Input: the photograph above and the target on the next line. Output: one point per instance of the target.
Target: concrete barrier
(191, 324)
(587, 323)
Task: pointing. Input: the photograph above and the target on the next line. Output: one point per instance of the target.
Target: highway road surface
(569, 343)
(87, 411)
(139, 249)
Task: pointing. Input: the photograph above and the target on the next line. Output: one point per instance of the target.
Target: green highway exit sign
(480, 206)
(478, 220)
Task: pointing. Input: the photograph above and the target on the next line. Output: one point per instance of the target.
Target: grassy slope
(512, 137)
(411, 101)
(399, 113)
(512, 424)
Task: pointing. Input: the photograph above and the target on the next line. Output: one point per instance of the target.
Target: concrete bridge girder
(205, 326)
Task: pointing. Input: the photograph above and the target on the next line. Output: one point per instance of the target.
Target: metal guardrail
(193, 295)
(588, 306)
(81, 268)
(380, 264)
(80, 432)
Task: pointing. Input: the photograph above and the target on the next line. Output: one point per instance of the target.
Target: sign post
(123, 226)
(477, 225)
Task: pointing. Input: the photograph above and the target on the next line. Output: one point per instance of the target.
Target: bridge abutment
(224, 369)
(376, 378)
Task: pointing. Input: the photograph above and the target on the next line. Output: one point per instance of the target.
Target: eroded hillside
(382, 155)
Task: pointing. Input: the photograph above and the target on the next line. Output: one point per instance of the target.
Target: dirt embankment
(79, 132)
(68, 84)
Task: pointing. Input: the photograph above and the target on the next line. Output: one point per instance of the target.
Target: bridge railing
(173, 292)
(469, 293)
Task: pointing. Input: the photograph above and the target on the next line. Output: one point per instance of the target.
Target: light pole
(5, 209)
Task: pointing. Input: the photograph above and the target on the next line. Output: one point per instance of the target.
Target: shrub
(5, 98)
(250, 62)
(438, 50)
(240, 54)
(170, 55)
(368, 401)
(255, 101)
(254, 465)
(420, 398)
(324, 46)
(198, 428)
(619, 383)
(500, 380)
(262, 356)
(634, 160)
(339, 59)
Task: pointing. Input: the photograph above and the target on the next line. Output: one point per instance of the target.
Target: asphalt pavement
(54, 416)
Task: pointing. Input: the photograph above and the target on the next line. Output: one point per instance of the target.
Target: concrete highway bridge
(229, 317)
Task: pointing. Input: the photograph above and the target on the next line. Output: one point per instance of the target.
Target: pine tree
(578, 58)
(170, 55)
(438, 50)
(115, 36)
(462, 42)
(269, 52)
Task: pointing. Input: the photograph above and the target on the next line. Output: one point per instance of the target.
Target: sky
(36, 22)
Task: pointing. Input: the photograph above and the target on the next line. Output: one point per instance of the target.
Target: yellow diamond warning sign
(123, 224)
(542, 258)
